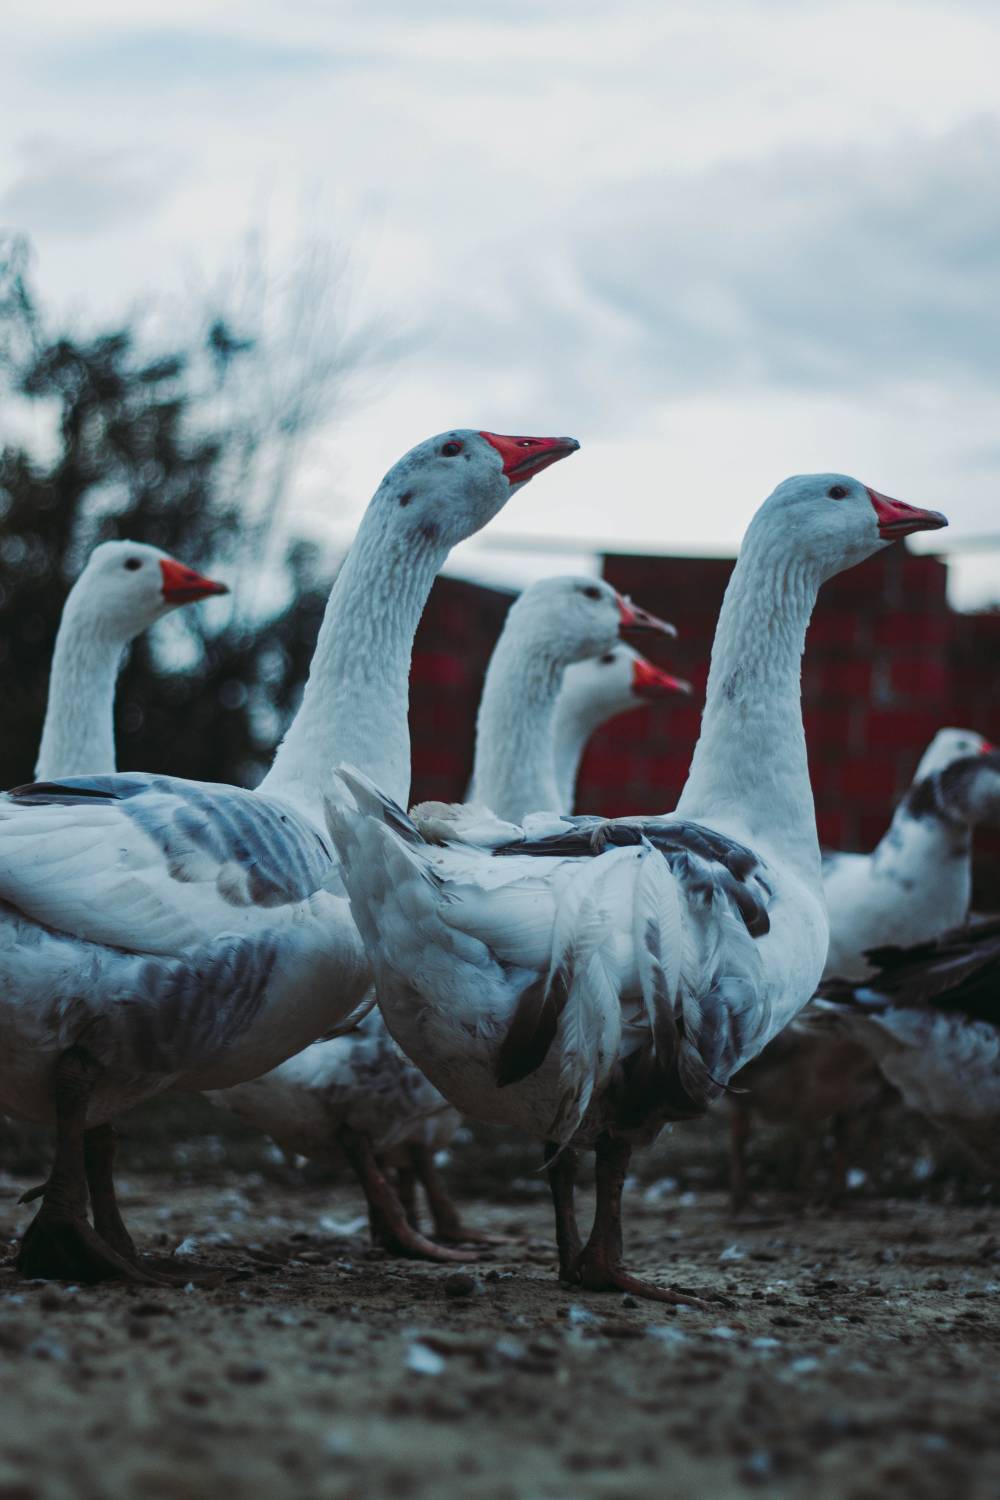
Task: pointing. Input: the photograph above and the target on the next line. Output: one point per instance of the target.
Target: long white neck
(514, 769)
(576, 720)
(749, 771)
(931, 851)
(79, 733)
(354, 707)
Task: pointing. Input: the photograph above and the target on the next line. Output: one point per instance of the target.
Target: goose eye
(450, 449)
(837, 492)
(591, 592)
(132, 563)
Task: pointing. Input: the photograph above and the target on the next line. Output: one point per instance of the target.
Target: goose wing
(959, 972)
(596, 942)
(154, 863)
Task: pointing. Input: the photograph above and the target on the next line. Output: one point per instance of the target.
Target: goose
(595, 691)
(553, 625)
(915, 885)
(124, 589)
(357, 1095)
(930, 1016)
(587, 980)
(159, 934)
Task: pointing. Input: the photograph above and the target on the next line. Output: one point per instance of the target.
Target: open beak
(649, 682)
(632, 618)
(182, 585)
(896, 518)
(524, 457)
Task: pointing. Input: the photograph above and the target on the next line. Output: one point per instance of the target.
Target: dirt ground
(851, 1355)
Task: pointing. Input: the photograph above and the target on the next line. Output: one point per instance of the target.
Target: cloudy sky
(719, 242)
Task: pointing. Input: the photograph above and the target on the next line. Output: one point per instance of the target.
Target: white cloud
(719, 242)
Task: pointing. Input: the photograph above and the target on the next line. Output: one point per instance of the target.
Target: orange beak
(649, 682)
(631, 617)
(182, 585)
(896, 518)
(524, 457)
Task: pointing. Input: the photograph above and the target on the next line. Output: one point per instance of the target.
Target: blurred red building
(887, 663)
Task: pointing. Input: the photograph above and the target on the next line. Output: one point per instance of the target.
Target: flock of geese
(353, 978)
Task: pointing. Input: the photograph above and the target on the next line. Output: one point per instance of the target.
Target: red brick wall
(887, 663)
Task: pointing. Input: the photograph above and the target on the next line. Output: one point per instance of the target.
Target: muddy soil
(852, 1356)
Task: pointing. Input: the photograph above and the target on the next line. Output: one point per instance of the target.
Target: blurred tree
(108, 438)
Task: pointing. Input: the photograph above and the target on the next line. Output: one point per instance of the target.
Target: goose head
(617, 680)
(833, 521)
(949, 745)
(452, 485)
(128, 586)
(568, 619)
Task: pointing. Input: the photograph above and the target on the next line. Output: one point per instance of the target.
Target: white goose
(914, 886)
(357, 1094)
(556, 623)
(163, 934)
(124, 589)
(589, 985)
(918, 882)
(595, 691)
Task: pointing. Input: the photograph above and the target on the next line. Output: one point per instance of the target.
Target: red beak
(649, 682)
(986, 748)
(896, 518)
(523, 457)
(182, 585)
(631, 617)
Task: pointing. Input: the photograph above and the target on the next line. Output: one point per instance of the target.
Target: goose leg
(390, 1226)
(560, 1167)
(599, 1268)
(406, 1187)
(99, 1162)
(448, 1224)
(59, 1244)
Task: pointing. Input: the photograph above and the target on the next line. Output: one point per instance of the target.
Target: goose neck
(355, 703)
(574, 723)
(78, 736)
(514, 768)
(749, 767)
(925, 843)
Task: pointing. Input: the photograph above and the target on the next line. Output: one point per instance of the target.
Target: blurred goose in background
(555, 623)
(596, 691)
(587, 980)
(930, 1017)
(357, 1094)
(124, 589)
(159, 934)
(915, 885)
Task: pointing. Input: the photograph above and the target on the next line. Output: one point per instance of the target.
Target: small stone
(247, 1374)
(460, 1284)
(151, 1310)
